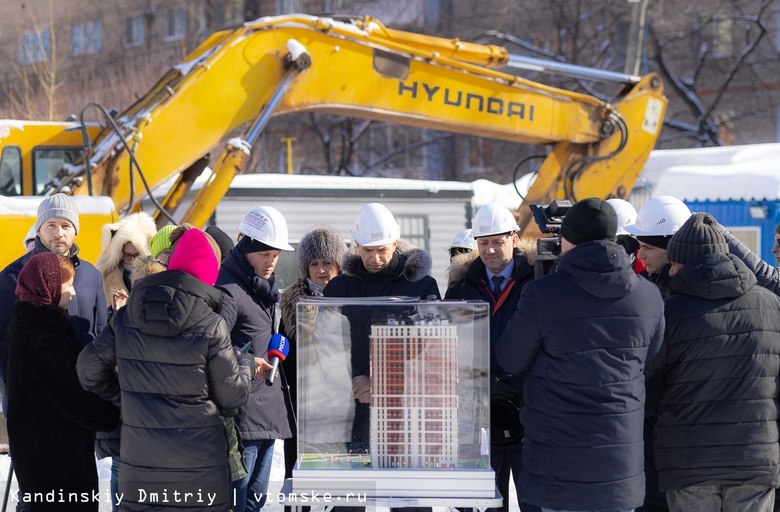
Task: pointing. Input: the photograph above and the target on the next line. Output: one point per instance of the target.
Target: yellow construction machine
(354, 67)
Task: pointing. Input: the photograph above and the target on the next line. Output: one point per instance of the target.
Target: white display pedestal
(327, 500)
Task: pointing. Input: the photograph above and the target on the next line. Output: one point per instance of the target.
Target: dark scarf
(264, 290)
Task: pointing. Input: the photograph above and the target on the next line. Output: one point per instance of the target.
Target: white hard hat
(464, 240)
(661, 216)
(493, 219)
(267, 225)
(626, 214)
(375, 226)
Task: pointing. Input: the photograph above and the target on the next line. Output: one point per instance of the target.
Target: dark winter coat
(107, 443)
(407, 275)
(51, 420)
(88, 309)
(176, 372)
(767, 275)
(715, 381)
(470, 282)
(249, 307)
(583, 335)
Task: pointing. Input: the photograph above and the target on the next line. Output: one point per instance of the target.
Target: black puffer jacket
(176, 372)
(51, 419)
(583, 335)
(249, 307)
(716, 378)
(407, 275)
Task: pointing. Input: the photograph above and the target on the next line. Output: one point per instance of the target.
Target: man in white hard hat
(656, 222)
(378, 265)
(250, 295)
(499, 259)
(582, 336)
(462, 243)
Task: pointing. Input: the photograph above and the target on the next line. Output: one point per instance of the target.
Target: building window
(229, 12)
(722, 35)
(415, 230)
(292, 6)
(35, 46)
(134, 31)
(175, 24)
(86, 38)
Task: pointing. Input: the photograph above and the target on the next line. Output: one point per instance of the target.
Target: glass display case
(393, 398)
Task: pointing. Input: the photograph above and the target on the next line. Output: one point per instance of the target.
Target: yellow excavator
(354, 67)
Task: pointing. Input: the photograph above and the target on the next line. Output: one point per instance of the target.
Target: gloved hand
(361, 389)
(501, 389)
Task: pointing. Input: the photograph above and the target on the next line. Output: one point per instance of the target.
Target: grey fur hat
(320, 243)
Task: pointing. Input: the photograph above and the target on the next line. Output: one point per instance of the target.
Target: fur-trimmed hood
(289, 304)
(138, 229)
(459, 266)
(145, 266)
(418, 262)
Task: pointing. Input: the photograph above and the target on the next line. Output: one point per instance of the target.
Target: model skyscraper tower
(414, 403)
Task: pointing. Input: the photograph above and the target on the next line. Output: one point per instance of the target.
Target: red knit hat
(195, 256)
(40, 280)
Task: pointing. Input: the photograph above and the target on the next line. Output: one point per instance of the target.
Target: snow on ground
(277, 477)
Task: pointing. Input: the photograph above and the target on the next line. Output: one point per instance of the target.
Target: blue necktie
(497, 280)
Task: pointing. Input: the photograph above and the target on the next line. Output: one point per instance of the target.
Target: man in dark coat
(56, 226)
(248, 284)
(167, 354)
(715, 381)
(499, 255)
(379, 265)
(583, 335)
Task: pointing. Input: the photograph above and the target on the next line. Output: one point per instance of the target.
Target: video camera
(549, 218)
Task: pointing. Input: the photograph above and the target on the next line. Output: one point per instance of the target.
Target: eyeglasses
(776, 245)
(129, 257)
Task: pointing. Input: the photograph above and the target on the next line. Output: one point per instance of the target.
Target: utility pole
(636, 37)
(289, 141)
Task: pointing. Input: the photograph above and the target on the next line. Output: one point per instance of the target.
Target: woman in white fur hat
(122, 243)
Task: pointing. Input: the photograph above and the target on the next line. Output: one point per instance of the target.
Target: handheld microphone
(278, 348)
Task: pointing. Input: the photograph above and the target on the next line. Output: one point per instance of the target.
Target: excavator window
(50, 163)
(11, 171)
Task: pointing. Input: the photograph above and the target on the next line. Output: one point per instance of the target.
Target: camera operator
(582, 336)
(497, 276)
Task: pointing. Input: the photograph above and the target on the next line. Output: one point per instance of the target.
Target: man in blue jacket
(583, 335)
(56, 228)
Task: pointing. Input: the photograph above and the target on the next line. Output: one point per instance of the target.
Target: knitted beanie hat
(40, 280)
(320, 243)
(248, 245)
(161, 241)
(589, 219)
(697, 237)
(195, 256)
(58, 205)
(224, 241)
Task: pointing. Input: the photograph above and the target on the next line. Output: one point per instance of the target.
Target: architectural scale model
(414, 405)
